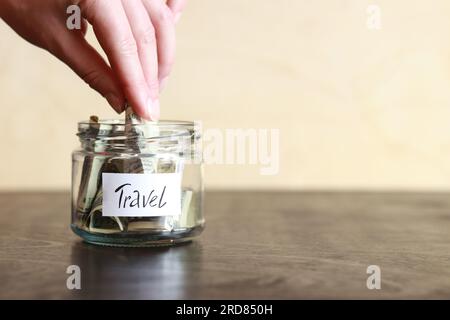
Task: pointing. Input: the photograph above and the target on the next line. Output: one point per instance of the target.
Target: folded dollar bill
(142, 156)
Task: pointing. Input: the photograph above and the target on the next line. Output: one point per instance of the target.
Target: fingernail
(153, 109)
(163, 83)
(115, 102)
(177, 17)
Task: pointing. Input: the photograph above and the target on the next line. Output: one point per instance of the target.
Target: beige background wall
(357, 108)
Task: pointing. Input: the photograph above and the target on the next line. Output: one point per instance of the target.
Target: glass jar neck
(113, 136)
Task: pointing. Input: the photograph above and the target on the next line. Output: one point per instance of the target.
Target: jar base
(141, 239)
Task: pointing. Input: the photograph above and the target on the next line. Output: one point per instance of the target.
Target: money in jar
(136, 182)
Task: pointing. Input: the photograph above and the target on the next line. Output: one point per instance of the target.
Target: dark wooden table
(256, 245)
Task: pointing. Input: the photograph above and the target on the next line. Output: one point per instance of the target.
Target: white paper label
(141, 194)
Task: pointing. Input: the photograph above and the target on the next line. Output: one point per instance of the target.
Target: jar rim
(117, 130)
(121, 122)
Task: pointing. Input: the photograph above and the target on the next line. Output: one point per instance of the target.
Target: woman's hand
(138, 36)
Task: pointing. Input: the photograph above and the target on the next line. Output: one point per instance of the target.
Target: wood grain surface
(257, 245)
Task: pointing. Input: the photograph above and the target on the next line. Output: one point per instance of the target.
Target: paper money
(100, 224)
(90, 177)
(185, 208)
(90, 198)
(138, 131)
(142, 155)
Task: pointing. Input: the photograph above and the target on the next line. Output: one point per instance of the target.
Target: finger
(114, 34)
(177, 6)
(144, 33)
(162, 19)
(84, 27)
(82, 58)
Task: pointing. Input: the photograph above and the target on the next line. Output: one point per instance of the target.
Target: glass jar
(137, 184)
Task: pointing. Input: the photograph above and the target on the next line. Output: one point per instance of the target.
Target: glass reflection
(135, 273)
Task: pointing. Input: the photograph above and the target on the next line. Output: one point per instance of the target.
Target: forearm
(2, 7)
(7, 5)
